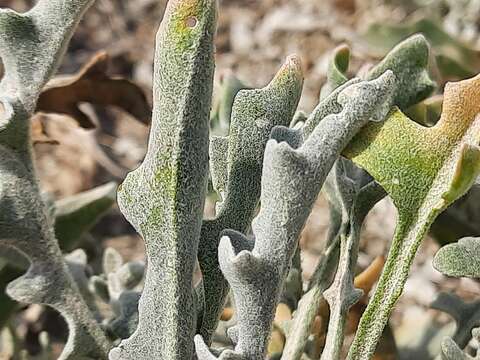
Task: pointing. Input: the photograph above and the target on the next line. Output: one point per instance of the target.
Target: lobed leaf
(257, 271)
(465, 314)
(408, 61)
(29, 67)
(461, 259)
(164, 197)
(451, 351)
(221, 114)
(423, 170)
(337, 69)
(236, 164)
(25, 222)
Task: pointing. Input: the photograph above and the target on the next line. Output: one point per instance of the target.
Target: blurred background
(254, 37)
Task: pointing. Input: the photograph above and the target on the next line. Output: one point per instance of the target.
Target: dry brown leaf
(91, 84)
(66, 169)
(283, 313)
(368, 277)
(38, 132)
(345, 5)
(227, 314)
(277, 339)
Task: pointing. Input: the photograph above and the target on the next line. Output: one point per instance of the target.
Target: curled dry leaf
(368, 277)
(345, 5)
(38, 132)
(276, 344)
(92, 85)
(227, 314)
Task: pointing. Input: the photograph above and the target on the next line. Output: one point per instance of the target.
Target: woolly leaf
(257, 271)
(98, 286)
(118, 286)
(125, 322)
(131, 274)
(423, 170)
(221, 114)
(29, 67)
(351, 194)
(77, 264)
(337, 69)
(465, 314)
(451, 351)
(255, 113)
(454, 59)
(112, 261)
(74, 216)
(408, 60)
(25, 222)
(358, 199)
(461, 259)
(164, 197)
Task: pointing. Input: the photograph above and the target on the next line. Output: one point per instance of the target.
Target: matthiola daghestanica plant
(267, 164)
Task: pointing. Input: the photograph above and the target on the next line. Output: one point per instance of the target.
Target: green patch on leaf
(423, 170)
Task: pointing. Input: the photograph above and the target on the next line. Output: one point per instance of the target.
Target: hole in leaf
(191, 21)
